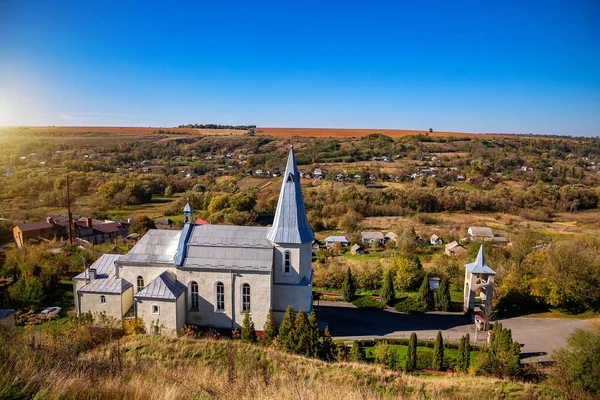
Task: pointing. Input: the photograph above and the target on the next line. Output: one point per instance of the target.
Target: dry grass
(150, 367)
(353, 133)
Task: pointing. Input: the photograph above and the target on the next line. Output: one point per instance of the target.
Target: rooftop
(104, 266)
(109, 285)
(156, 246)
(479, 266)
(164, 287)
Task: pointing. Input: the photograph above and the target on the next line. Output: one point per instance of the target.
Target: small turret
(188, 214)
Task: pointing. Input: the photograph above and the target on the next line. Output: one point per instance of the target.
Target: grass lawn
(426, 353)
(565, 314)
(464, 185)
(370, 255)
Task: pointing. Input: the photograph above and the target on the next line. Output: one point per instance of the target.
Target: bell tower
(188, 214)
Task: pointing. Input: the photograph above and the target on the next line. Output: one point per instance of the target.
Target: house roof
(372, 235)
(479, 266)
(200, 221)
(391, 235)
(108, 227)
(336, 239)
(434, 237)
(188, 208)
(104, 266)
(163, 287)
(35, 226)
(454, 245)
(480, 231)
(290, 224)
(355, 247)
(110, 285)
(6, 312)
(156, 246)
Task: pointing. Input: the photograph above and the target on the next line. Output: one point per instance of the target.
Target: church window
(155, 309)
(193, 296)
(245, 297)
(140, 283)
(287, 262)
(220, 291)
(102, 299)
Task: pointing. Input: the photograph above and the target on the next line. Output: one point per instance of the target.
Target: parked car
(51, 312)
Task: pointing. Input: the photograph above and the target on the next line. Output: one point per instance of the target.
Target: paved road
(539, 336)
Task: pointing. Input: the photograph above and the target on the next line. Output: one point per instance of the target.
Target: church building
(209, 275)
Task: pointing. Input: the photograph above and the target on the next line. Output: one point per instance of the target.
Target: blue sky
(474, 66)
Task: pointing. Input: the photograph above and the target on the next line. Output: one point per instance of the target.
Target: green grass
(370, 255)
(450, 355)
(464, 185)
(565, 314)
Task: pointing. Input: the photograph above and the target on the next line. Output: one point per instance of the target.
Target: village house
(209, 275)
(331, 240)
(454, 248)
(435, 240)
(391, 237)
(356, 250)
(480, 233)
(372, 238)
(40, 230)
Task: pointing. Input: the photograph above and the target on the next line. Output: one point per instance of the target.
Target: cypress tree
(285, 338)
(248, 332)
(327, 345)
(270, 329)
(464, 354)
(302, 334)
(357, 353)
(438, 353)
(387, 289)
(313, 322)
(348, 287)
(411, 354)
(426, 295)
(442, 296)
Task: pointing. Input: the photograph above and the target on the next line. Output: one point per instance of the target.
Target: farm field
(354, 133)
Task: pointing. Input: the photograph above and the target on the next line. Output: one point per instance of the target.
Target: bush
(368, 302)
(408, 304)
(385, 354)
(387, 289)
(135, 326)
(348, 287)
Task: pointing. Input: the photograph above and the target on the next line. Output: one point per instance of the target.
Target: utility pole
(69, 211)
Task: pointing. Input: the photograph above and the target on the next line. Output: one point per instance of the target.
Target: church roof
(290, 224)
(163, 287)
(107, 285)
(156, 246)
(479, 266)
(104, 266)
(188, 208)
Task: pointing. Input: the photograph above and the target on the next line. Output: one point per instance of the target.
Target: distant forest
(217, 126)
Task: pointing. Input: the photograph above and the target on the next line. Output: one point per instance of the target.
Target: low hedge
(407, 304)
(368, 302)
(404, 342)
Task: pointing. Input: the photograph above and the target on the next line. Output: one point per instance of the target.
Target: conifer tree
(357, 353)
(327, 345)
(270, 329)
(302, 334)
(442, 296)
(313, 322)
(248, 332)
(411, 354)
(285, 338)
(438, 353)
(464, 354)
(348, 287)
(426, 295)
(387, 289)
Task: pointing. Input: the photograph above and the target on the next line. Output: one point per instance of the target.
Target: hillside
(152, 367)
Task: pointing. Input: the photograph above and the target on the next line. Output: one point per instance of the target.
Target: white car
(51, 312)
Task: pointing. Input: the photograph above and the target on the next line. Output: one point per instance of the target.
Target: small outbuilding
(435, 240)
(7, 318)
(372, 238)
(391, 237)
(356, 250)
(454, 248)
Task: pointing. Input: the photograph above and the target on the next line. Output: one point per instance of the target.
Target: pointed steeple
(188, 213)
(290, 224)
(479, 266)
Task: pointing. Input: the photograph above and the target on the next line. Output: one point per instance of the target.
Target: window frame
(287, 263)
(219, 297)
(142, 286)
(157, 309)
(194, 297)
(246, 298)
(102, 299)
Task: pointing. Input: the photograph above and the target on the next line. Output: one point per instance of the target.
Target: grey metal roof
(156, 246)
(336, 239)
(372, 235)
(290, 224)
(104, 266)
(480, 231)
(6, 312)
(230, 235)
(479, 266)
(165, 286)
(106, 285)
(188, 208)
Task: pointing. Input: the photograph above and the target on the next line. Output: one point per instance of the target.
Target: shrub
(464, 354)
(408, 304)
(357, 353)
(438, 353)
(248, 332)
(384, 354)
(368, 302)
(136, 326)
(387, 289)
(270, 329)
(348, 287)
(426, 295)
(285, 338)
(411, 354)
(302, 334)
(442, 296)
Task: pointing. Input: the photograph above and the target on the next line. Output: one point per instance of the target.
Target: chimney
(92, 273)
(88, 222)
(50, 220)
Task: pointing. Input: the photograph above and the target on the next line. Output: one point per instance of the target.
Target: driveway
(538, 336)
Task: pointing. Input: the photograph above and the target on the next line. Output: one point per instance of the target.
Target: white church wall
(126, 300)
(166, 316)
(77, 284)
(300, 297)
(301, 262)
(90, 302)
(131, 272)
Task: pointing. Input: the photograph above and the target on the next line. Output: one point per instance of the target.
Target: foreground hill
(152, 367)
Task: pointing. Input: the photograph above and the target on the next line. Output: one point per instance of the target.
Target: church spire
(290, 224)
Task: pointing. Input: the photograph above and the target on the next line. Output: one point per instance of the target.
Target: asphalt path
(539, 337)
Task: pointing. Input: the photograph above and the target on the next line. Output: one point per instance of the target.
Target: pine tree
(248, 332)
(461, 363)
(387, 290)
(442, 296)
(285, 338)
(438, 353)
(348, 287)
(426, 295)
(270, 329)
(357, 353)
(313, 322)
(466, 353)
(411, 354)
(302, 334)
(327, 345)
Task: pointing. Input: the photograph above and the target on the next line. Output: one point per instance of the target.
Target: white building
(209, 275)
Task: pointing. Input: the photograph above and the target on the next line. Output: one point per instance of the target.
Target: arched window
(102, 299)
(140, 283)
(220, 296)
(287, 262)
(155, 309)
(193, 296)
(245, 297)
